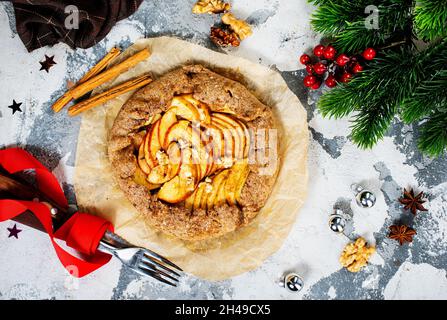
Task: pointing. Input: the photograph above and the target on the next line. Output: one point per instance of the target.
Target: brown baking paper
(235, 253)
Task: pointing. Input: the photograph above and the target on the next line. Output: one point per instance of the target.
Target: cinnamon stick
(62, 101)
(109, 74)
(100, 78)
(109, 94)
(101, 65)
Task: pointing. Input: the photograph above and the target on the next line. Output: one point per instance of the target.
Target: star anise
(401, 233)
(411, 202)
(222, 37)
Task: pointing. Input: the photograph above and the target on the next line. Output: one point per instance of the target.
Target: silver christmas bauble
(337, 223)
(366, 199)
(363, 197)
(292, 282)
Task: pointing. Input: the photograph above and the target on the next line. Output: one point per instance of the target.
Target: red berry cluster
(332, 69)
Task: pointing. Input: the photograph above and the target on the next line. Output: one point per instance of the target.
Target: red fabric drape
(81, 232)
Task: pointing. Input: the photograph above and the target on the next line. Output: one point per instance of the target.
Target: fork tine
(158, 263)
(148, 272)
(151, 253)
(153, 267)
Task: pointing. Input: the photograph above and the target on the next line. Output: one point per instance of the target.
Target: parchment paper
(235, 253)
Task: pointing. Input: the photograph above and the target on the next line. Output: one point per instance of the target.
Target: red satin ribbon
(81, 232)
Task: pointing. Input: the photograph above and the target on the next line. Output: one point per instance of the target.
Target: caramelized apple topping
(195, 155)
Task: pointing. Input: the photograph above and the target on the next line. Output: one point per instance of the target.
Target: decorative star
(14, 232)
(47, 64)
(15, 106)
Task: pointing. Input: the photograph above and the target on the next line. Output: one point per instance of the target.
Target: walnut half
(210, 6)
(224, 38)
(356, 255)
(242, 28)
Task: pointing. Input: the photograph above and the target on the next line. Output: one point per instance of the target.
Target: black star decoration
(14, 232)
(47, 64)
(15, 106)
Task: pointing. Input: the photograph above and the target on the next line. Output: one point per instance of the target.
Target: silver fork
(140, 260)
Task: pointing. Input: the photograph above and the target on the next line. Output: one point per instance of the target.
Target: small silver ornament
(53, 211)
(337, 222)
(363, 197)
(292, 282)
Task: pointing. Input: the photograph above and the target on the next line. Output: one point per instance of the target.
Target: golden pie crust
(221, 95)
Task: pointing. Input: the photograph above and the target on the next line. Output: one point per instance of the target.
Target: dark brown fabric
(42, 22)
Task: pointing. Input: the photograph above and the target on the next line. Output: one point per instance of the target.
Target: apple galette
(195, 153)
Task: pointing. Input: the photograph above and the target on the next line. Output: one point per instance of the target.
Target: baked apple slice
(175, 158)
(198, 195)
(229, 141)
(174, 191)
(215, 146)
(204, 110)
(152, 145)
(235, 182)
(184, 109)
(159, 174)
(142, 163)
(201, 155)
(242, 130)
(180, 187)
(169, 165)
(178, 132)
(139, 177)
(208, 159)
(246, 135)
(236, 130)
(217, 181)
(205, 115)
(166, 121)
(189, 202)
(240, 185)
(221, 195)
(208, 188)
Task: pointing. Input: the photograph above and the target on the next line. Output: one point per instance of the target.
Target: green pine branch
(433, 139)
(401, 80)
(332, 17)
(381, 89)
(395, 15)
(371, 124)
(320, 2)
(344, 21)
(372, 86)
(431, 88)
(431, 19)
(426, 98)
(377, 93)
(339, 102)
(355, 38)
